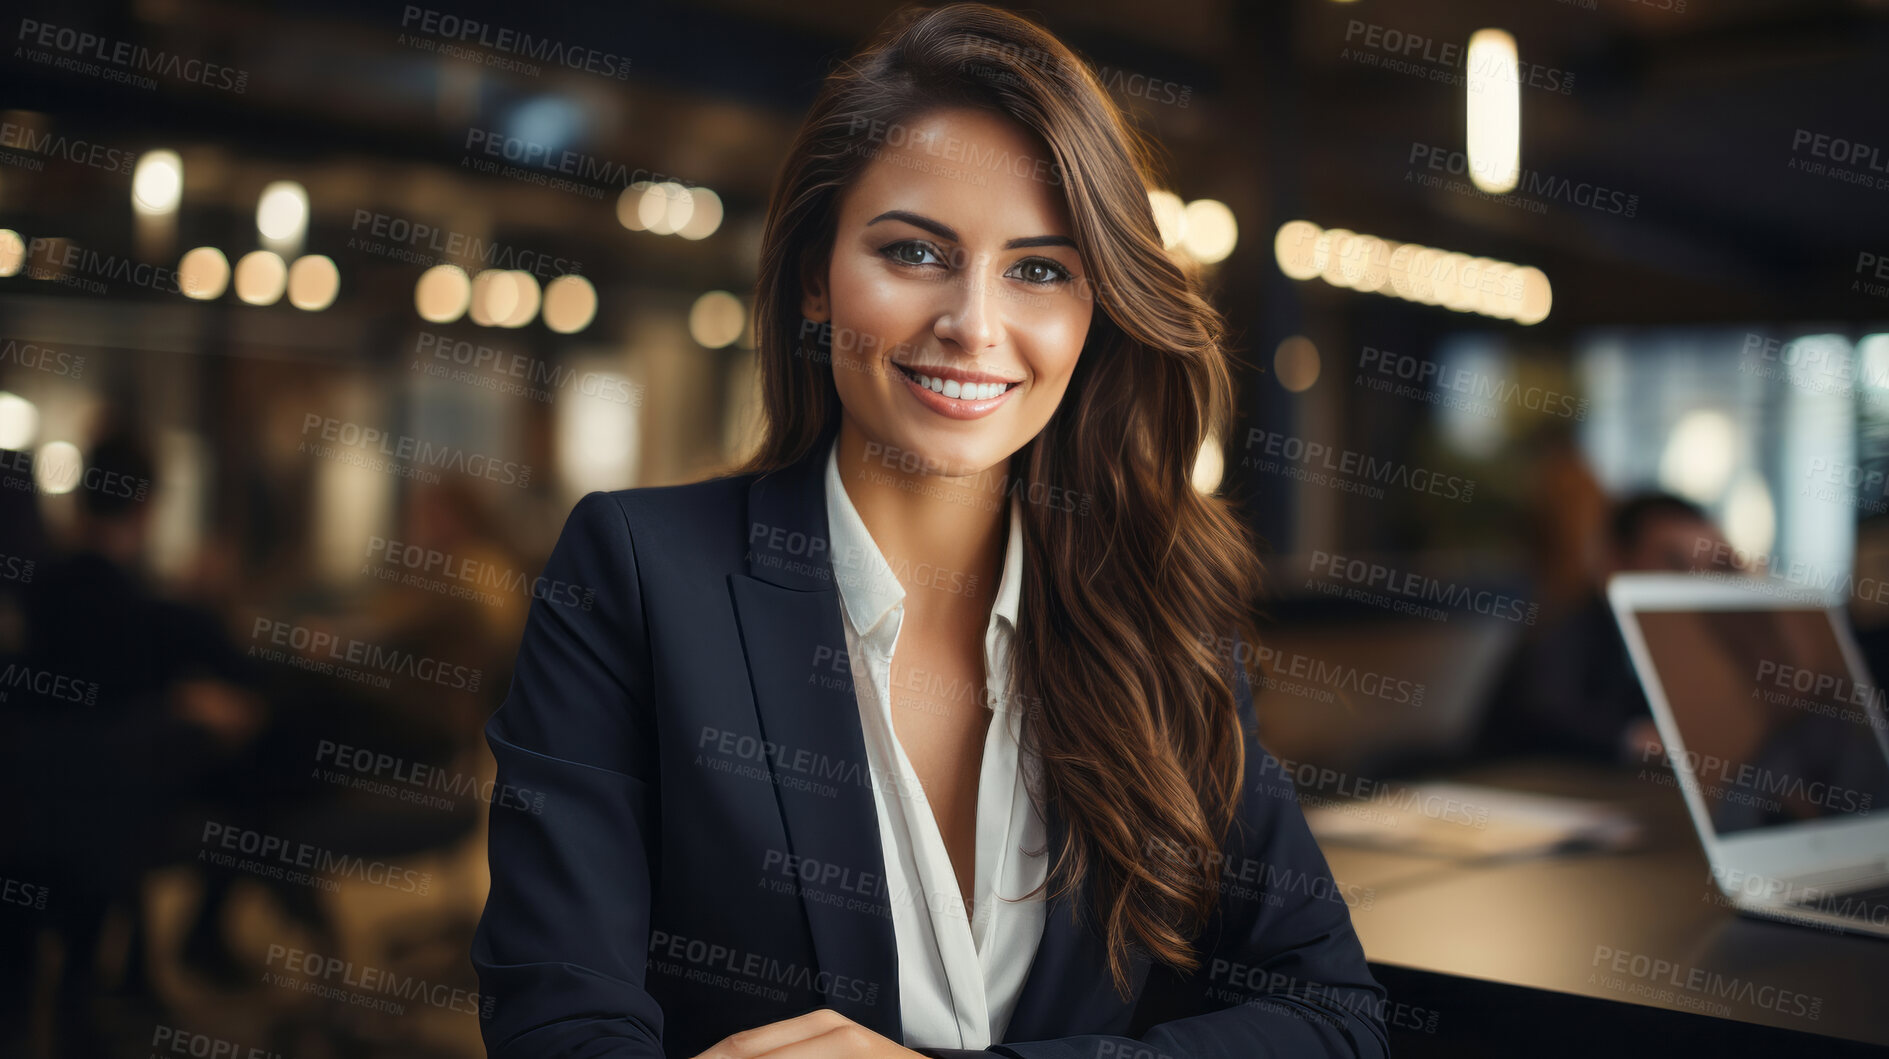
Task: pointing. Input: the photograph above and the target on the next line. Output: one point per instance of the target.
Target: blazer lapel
(787, 607)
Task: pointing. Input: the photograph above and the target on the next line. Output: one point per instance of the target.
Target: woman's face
(953, 259)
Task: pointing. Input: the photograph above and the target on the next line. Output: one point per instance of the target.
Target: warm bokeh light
(665, 207)
(1333, 247)
(204, 273)
(442, 294)
(1536, 296)
(1424, 264)
(157, 184)
(313, 282)
(705, 214)
(494, 297)
(1373, 267)
(1210, 232)
(1397, 268)
(261, 277)
(1295, 247)
(12, 252)
(716, 319)
(630, 206)
(58, 467)
(282, 214)
(570, 304)
(1494, 91)
(19, 421)
(1170, 216)
(1295, 363)
(1356, 259)
(1413, 273)
(527, 298)
(1493, 293)
(1457, 287)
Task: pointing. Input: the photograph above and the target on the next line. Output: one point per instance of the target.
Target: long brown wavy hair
(1127, 604)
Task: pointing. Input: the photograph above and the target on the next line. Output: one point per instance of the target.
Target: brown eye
(912, 252)
(1039, 271)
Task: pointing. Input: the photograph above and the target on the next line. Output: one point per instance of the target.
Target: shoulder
(702, 519)
(653, 510)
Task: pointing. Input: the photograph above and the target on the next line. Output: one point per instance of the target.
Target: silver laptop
(1776, 736)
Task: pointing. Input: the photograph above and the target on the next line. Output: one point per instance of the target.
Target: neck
(937, 532)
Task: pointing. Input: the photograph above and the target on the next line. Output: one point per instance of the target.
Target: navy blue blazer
(688, 845)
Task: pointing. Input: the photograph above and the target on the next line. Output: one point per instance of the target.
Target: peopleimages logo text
(371, 765)
(411, 234)
(320, 644)
(1476, 385)
(274, 852)
(79, 152)
(422, 453)
(134, 58)
(1707, 768)
(1357, 465)
(498, 38)
(1410, 584)
(483, 575)
(1530, 183)
(47, 684)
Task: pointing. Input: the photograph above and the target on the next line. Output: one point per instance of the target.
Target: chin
(949, 452)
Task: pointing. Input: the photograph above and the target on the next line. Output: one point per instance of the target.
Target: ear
(814, 304)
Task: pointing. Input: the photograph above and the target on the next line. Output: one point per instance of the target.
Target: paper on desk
(1465, 820)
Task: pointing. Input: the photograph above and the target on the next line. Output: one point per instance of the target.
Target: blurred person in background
(23, 915)
(1564, 518)
(1570, 691)
(985, 384)
(120, 703)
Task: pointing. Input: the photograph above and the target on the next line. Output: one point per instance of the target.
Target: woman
(924, 733)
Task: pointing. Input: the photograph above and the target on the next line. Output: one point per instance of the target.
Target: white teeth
(968, 391)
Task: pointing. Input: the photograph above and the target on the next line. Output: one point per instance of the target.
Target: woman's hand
(822, 1034)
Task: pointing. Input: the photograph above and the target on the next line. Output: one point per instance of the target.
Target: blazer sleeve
(1283, 966)
(562, 946)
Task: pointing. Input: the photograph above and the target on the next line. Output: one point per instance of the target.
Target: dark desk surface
(1557, 923)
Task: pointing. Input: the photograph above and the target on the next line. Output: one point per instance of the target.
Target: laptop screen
(1776, 728)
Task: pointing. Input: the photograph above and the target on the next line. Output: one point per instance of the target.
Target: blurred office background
(246, 249)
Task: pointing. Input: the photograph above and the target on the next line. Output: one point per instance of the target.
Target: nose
(971, 320)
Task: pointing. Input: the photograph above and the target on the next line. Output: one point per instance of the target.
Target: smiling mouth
(951, 388)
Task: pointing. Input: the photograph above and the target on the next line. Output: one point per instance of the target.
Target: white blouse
(958, 978)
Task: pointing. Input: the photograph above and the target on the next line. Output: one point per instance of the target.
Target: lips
(959, 407)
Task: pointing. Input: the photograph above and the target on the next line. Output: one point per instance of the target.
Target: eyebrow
(945, 231)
